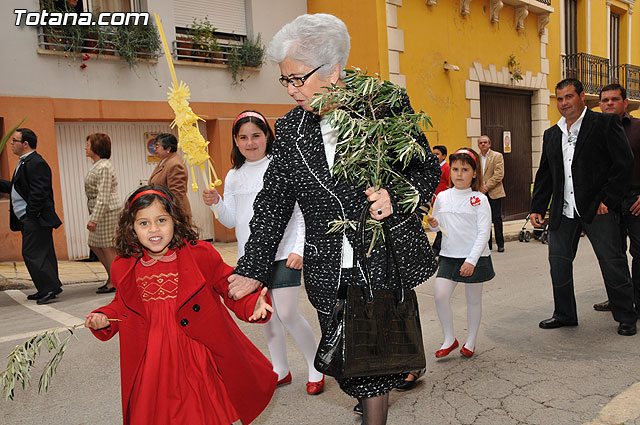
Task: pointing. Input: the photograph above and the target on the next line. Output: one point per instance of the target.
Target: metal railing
(628, 76)
(547, 2)
(185, 50)
(57, 40)
(592, 71)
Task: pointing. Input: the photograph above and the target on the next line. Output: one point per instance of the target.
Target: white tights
(285, 303)
(442, 292)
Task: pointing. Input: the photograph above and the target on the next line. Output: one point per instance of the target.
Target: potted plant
(250, 54)
(514, 68)
(205, 41)
(135, 42)
(184, 45)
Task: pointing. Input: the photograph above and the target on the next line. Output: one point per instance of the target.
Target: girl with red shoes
(253, 142)
(464, 213)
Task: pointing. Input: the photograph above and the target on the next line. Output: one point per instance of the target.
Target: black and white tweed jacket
(299, 172)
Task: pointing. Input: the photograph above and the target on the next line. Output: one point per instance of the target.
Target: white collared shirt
(330, 140)
(18, 202)
(569, 140)
(483, 161)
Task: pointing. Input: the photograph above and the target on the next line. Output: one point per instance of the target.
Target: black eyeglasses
(297, 81)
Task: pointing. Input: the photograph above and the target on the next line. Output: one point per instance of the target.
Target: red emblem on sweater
(475, 201)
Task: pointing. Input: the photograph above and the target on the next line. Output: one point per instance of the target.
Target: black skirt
(449, 268)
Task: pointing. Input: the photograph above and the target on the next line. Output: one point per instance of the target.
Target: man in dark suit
(613, 100)
(586, 165)
(32, 213)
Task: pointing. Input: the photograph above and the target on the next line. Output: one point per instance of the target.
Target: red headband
(249, 114)
(468, 152)
(146, 192)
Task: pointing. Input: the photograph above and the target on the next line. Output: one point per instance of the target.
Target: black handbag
(372, 332)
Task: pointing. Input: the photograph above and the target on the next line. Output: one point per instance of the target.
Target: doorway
(507, 110)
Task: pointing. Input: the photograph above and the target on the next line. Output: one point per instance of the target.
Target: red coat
(444, 179)
(246, 373)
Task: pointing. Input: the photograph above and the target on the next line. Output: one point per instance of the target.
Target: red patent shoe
(445, 351)
(315, 388)
(286, 380)
(466, 352)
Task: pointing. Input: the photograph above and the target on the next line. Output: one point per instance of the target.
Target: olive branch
(377, 139)
(23, 357)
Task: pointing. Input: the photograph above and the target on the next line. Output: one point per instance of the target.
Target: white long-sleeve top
(241, 186)
(466, 216)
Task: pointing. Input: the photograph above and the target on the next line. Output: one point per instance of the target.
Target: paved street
(520, 374)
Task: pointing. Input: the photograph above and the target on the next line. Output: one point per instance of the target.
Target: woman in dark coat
(312, 52)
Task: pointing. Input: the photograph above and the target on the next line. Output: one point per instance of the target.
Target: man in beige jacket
(493, 173)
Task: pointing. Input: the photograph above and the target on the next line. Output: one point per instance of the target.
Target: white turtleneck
(241, 186)
(466, 216)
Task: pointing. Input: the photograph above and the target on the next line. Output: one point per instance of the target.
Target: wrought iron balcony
(592, 71)
(628, 76)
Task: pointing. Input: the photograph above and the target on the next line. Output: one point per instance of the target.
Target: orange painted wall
(43, 113)
(366, 22)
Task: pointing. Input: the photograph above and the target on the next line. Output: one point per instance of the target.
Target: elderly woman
(312, 52)
(171, 171)
(100, 186)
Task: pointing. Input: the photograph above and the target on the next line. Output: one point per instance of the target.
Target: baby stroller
(539, 232)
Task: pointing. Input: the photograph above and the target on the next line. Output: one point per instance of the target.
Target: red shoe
(445, 351)
(466, 352)
(315, 388)
(284, 381)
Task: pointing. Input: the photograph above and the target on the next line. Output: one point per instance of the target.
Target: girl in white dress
(464, 213)
(252, 143)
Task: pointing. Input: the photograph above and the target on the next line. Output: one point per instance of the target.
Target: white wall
(26, 73)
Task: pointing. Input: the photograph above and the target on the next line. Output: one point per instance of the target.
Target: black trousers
(39, 255)
(496, 219)
(607, 242)
(631, 228)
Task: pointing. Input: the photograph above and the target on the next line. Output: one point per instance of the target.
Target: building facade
(67, 95)
(476, 67)
(597, 42)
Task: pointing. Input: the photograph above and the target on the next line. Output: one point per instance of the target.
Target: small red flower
(475, 201)
(83, 66)
(86, 57)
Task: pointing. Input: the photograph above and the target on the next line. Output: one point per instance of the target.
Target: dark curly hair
(127, 243)
(471, 160)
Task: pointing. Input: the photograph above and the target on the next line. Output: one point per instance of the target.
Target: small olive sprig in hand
(23, 357)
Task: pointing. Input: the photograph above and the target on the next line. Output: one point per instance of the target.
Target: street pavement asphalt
(520, 374)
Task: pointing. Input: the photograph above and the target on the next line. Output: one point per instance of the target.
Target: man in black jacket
(613, 100)
(32, 212)
(586, 165)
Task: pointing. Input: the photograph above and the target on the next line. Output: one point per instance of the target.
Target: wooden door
(503, 110)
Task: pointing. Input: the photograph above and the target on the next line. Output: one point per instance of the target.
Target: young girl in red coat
(183, 359)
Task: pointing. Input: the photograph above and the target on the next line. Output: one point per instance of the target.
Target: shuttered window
(227, 16)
